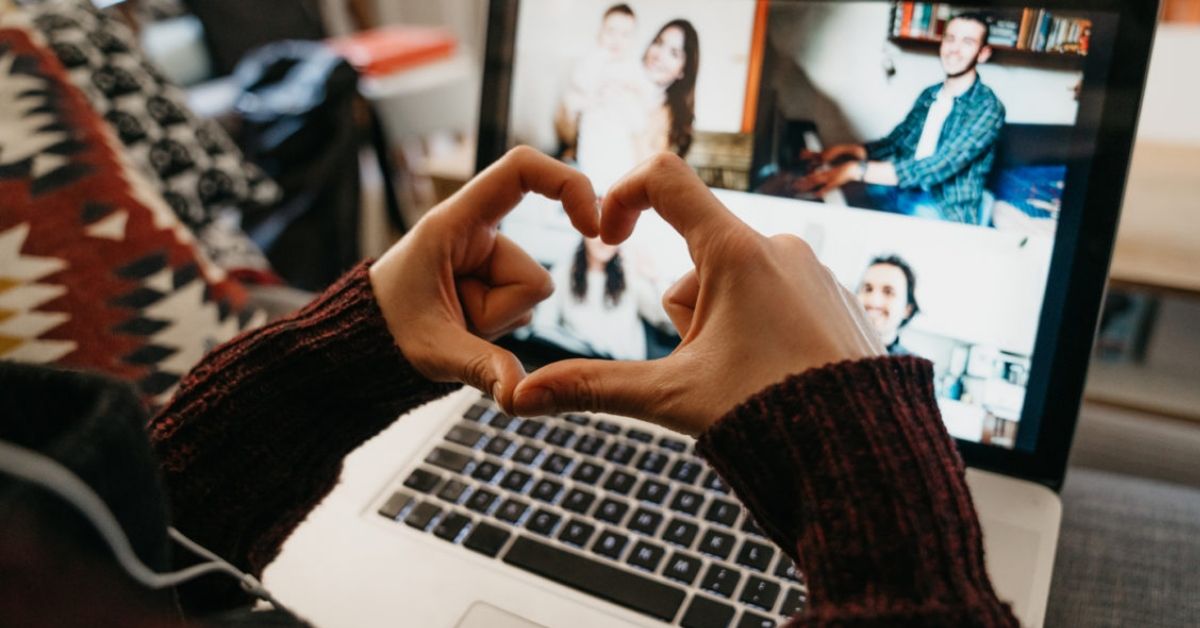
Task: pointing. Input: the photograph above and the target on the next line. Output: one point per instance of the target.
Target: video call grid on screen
(951, 264)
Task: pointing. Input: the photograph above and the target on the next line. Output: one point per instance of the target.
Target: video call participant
(599, 304)
(615, 112)
(936, 161)
(887, 294)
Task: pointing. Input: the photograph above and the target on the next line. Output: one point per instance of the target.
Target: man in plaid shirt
(942, 152)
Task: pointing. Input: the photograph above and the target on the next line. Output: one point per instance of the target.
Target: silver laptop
(992, 265)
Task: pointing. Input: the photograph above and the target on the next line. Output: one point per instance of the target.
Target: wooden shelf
(1158, 245)
(1001, 55)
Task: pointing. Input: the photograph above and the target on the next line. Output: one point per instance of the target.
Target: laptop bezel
(1080, 261)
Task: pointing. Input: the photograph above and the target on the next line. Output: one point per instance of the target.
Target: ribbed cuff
(256, 434)
(849, 468)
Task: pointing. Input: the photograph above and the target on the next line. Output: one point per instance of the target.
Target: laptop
(460, 515)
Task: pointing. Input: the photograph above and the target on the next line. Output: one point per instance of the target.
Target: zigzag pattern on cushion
(193, 163)
(95, 271)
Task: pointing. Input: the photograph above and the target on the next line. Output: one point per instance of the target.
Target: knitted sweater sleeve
(255, 436)
(850, 469)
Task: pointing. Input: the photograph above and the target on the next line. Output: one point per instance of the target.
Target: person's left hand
(453, 282)
(825, 181)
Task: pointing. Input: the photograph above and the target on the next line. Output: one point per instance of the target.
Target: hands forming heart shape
(753, 311)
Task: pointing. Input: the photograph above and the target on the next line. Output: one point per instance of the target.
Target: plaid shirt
(956, 172)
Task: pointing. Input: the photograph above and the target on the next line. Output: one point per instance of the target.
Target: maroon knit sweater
(846, 467)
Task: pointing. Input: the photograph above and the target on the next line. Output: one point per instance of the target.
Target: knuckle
(475, 371)
(521, 153)
(585, 394)
(665, 160)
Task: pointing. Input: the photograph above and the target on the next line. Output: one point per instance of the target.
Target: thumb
(479, 363)
(617, 387)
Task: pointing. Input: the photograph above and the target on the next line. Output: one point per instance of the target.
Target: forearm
(849, 468)
(256, 434)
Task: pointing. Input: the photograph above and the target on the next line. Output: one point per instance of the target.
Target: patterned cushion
(202, 174)
(96, 271)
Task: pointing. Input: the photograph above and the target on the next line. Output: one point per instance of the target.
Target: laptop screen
(931, 154)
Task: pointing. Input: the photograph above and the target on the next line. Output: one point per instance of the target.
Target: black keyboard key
(750, 527)
(722, 512)
(500, 421)
(451, 526)
(652, 461)
(716, 543)
(560, 436)
(620, 453)
(511, 510)
(682, 568)
(464, 434)
(652, 491)
(706, 613)
(556, 464)
(611, 510)
(620, 482)
(760, 593)
(422, 515)
(526, 454)
(610, 544)
(646, 555)
(793, 602)
(645, 521)
(590, 444)
(485, 471)
(452, 491)
(577, 532)
(578, 500)
(394, 504)
(578, 419)
(587, 472)
(530, 428)
(498, 446)
(476, 411)
(487, 539)
(422, 480)
(684, 471)
(448, 460)
(721, 580)
(713, 482)
(756, 556)
(481, 500)
(641, 436)
(687, 501)
(628, 589)
(608, 427)
(515, 480)
(543, 522)
(546, 490)
(786, 569)
(674, 444)
(681, 532)
(754, 620)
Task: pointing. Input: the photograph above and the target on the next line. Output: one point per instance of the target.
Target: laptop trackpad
(484, 615)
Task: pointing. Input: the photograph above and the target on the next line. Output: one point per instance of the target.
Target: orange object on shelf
(386, 50)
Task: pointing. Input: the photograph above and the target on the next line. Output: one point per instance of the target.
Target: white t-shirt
(934, 121)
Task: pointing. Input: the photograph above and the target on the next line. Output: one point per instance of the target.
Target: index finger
(495, 191)
(667, 184)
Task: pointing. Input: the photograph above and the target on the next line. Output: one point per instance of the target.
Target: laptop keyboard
(616, 512)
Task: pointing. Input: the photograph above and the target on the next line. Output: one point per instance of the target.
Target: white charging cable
(39, 469)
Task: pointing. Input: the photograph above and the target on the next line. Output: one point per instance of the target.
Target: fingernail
(534, 401)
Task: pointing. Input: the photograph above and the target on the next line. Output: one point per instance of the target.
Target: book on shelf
(1033, 30)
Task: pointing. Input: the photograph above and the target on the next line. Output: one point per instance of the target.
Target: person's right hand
(753, 311)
